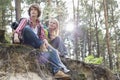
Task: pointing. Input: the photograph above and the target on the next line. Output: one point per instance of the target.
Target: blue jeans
(55, 59)
(52, 55)
(30, 38)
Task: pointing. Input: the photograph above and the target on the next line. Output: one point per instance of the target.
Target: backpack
(15, 24)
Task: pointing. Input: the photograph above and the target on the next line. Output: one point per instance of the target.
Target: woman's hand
(16, 38)
(46, 42)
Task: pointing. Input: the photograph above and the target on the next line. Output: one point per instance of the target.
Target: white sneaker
(66, 56)
(66, 70)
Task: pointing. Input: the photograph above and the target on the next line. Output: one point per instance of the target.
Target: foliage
(31, 1)
(8, 37)
(5, 14)
(93, 60)
(54, 9)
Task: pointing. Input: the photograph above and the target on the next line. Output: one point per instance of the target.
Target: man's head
(32, 10)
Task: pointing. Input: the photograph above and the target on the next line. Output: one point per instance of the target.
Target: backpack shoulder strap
(39, 29)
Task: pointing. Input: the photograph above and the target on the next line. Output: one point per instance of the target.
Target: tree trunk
(107, 33)
(96, 29)
(89, 40)
(18, 9)
(73, 10)
(2, 36)
(116, 38)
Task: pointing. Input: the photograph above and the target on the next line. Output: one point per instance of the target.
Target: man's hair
(36, 6)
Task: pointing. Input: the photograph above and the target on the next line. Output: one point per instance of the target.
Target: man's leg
(55, 58)
(31, 38)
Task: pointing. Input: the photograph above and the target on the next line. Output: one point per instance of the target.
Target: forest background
(89, 28)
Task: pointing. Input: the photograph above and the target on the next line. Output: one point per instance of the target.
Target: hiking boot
(61, 74)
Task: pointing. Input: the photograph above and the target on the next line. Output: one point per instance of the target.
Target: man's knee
(27, 28)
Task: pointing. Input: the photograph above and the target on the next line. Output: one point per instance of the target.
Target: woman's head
(34, 9)
(54, 26)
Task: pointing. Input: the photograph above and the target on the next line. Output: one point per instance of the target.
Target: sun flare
(70, 27)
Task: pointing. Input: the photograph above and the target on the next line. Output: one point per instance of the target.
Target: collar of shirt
(37, 22)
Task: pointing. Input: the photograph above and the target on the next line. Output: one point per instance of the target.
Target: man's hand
(16, 38)
(46, 43)
(43, 48)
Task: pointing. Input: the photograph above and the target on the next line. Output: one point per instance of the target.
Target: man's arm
(18, 30)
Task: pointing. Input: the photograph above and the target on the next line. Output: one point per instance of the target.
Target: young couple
(34, 35)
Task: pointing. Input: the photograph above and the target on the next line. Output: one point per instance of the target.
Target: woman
(55, 39)
(33, 35)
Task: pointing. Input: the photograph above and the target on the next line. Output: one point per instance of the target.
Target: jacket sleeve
(21, 25)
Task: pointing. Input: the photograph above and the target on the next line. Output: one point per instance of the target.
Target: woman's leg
(58, 44)
(31, 38)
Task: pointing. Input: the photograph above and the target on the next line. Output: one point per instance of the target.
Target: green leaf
(93, 60)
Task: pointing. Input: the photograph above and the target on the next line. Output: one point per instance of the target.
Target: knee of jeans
(27, 28)
(55, 51)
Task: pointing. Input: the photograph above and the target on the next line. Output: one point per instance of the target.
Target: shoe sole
(63, 78)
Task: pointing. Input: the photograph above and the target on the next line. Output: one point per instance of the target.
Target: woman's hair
(36, 6)
(56, 31)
